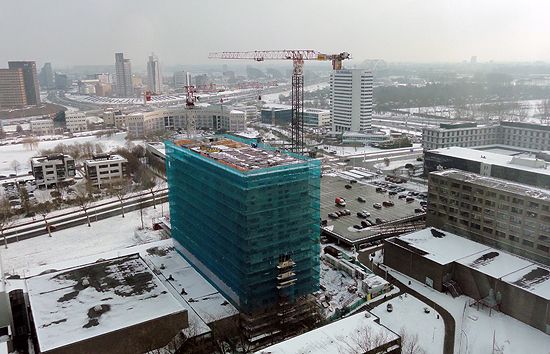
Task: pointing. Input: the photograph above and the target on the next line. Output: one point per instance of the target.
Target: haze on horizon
(68, 32)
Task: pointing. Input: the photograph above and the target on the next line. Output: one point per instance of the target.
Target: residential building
(32, 89)
(509, 135)
(46, 76)
(524, 169)
(154, 75)
(12, 88)
(276, 114)
(51, 170)
(345, 333)
(42, 126)
(494, 279)
(247, 217)
(104, 169)
(113, 118)
(316, 117)
(509, 216)
(76, 121)
(251, 112)
(351, 100)
(123, 69)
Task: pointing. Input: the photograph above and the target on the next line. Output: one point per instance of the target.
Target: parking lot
(333, 187)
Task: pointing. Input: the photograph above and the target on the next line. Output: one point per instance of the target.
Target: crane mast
(297, 93)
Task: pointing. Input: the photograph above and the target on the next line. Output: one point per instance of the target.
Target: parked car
(392, 192)
(366, 213)
(361, 200)
(346, 212)
(409, 199)
(401, 196)
(364, 223)
(348, 186)
(358, 227)
(333, 215)
(377, 205)
(389, 307)
(418, 210)
(361, 215)
(388, 203)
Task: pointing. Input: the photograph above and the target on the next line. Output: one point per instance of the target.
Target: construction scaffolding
(254, 231)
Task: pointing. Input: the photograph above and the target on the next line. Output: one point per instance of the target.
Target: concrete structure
(524, 136)
(247, 217)
(42, 126)
(361, 333)
(46, 77)
(154, 75)
(351, 100)
(509, 216)
(32, 89)
(276, 114)
(251, 112)
(316, 117)
(75, 121)
(109, 306)
(113, 118)
(520, 168)
(103, 169)
(123, 68)
(446, 262)
(49, 171)
(62, 81)
(12, 88)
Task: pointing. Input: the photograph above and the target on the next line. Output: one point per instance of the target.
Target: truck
(339, 201)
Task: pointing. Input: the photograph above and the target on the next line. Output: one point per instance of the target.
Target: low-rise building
(105, 168)
(276, 114)
(75, 121)
(42, 126)
(510, 216)
(49, 171)
(316, 117)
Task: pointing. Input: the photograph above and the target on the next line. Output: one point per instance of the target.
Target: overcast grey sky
(72, 32)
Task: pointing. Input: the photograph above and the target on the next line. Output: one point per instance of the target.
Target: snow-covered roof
(440, 246)
(534, 279)
(343, 336)
(72, 305)
(495, 263)
(489, 158)
(496, 183)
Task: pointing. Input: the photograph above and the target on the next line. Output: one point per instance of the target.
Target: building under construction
(247, 217)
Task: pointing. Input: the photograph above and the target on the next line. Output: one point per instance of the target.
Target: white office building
(42, 126)
(154, 76)
(75, 121)
(123, 68)
(50, 170)
(351, 100)
(103, 169)
(316, 117)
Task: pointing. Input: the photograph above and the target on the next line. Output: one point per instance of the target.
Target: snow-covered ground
(408, 317)
(22, 154)
(80, 241)
(395, 164)
(475, 329)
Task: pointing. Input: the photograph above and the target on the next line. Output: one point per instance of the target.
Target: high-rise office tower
(180, 80)
(154, 76)
(12, 88)
(123, 68)
(46, 76)
(247, 217)
(32, 89)
(351, 100)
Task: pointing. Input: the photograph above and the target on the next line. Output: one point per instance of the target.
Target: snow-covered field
(408, 316)
(475, 329)
(22, 154)
(80, 241)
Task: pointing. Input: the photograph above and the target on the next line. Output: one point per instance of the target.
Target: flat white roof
(344, 336)
(72, 305)
(534, 279)
(495, 263)
(444, 249)
(486, 157)
(112, 158)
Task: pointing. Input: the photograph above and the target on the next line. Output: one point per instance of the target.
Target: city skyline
(436, 31)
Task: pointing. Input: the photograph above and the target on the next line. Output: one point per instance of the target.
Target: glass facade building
(253, 233)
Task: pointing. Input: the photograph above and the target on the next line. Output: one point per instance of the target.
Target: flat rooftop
(489, 158)
(444, 247)
(240, 156)
(104, 158)
(496, 183)
(332, 187)
(79, 303)
(347, 335)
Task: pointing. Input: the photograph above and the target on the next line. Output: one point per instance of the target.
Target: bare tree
(30, 143)
(543, 110)
(6, 218)
(120, 189)
(148, 182)
(44, 209)
(83, 198)
(409, 344)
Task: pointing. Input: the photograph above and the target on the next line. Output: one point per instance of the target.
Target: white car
(366, 213)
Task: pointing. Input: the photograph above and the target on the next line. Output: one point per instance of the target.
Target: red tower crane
(297, 57)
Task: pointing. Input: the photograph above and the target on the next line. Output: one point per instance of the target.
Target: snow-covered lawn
(80, 241)
(475, 329)
(19, 152)
(408, 316)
